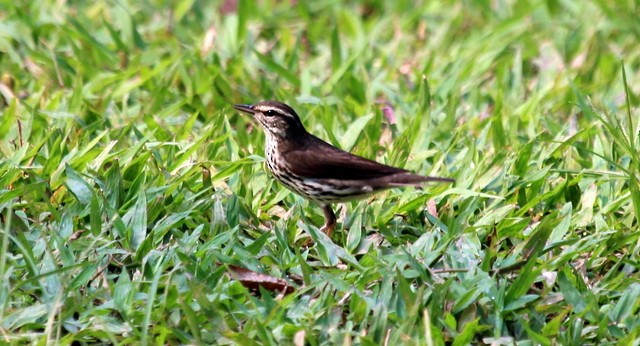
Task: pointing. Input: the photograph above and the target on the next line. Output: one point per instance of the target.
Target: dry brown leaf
(253, 281)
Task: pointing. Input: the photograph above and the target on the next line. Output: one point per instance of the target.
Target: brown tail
(410, 179)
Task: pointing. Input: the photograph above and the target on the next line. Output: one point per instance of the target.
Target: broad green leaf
(627, 304)
(336, 50)
(78, 186)
(136, 220)
(468, 332)
(354, 236)
(352, 134)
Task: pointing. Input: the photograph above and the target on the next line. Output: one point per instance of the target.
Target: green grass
(129, 188)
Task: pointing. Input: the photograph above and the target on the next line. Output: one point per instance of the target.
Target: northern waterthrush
(318, 171)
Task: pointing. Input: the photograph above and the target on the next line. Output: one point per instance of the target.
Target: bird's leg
(329, 220)
(329, 223)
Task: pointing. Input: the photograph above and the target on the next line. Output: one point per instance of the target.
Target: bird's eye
(270, 113)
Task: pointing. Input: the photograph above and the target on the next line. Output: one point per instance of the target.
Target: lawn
(135, 207)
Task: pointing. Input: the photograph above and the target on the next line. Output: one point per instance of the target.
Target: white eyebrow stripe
(278, 110)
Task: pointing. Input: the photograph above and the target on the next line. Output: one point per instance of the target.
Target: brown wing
(319, 160)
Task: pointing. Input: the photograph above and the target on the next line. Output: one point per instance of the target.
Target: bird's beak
(245, 108)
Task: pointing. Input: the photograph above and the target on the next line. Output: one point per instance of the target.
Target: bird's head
(277, 119)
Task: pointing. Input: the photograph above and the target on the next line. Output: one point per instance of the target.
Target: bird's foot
(308, 243)
(329, 220)
(326, 229)
(329, 224)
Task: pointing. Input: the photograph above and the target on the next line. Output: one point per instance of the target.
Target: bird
(317, 170)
